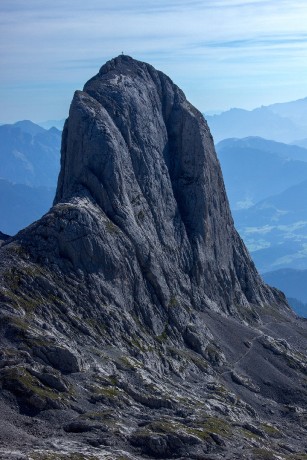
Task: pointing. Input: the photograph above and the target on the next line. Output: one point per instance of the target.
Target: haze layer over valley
(133, 321)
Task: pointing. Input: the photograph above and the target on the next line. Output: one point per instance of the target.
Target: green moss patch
(98, 416)
(111, 228)
(213, 425)
(263, 454)
(173, 302)
(201, 430)
(109, 394)
(163, 337)
(271, 431)
(61, 456)
(30, 389)
(19, 250)
(297, 457)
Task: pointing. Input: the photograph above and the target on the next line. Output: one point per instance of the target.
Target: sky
(222, 53)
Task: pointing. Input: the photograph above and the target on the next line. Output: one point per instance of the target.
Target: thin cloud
(63, 42)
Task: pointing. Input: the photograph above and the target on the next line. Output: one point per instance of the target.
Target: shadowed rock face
(140, 152)
(131, 313)
(3, 237)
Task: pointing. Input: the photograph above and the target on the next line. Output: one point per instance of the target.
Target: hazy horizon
(223, 54)
(206, 112)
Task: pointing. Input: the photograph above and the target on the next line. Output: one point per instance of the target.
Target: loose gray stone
(137, 287)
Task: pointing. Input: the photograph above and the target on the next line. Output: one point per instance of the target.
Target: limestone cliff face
(139, 151)
(132, 316)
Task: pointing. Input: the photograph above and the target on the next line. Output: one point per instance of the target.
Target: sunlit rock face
(139, 151)
(132, 316)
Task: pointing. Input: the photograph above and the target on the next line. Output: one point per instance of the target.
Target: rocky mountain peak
(144, 155)
(132, 315)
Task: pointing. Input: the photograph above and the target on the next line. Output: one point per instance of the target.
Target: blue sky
(221, 53)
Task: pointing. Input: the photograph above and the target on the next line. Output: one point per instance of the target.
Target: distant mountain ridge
(286, 151)
(299, 307)
(255, 168)
(27, 126)
(284, 122)
(20, 205)
(293, 110)
(133, 322)
(274, 228)
(301, 143)
(30, 163)
(286, 208)
(292, 282)
(29, 154)
(58, 124)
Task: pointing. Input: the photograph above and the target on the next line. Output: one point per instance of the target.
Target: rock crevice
(124, 306)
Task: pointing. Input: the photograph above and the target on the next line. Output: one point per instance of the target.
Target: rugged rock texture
(3, 238)
(133, 322)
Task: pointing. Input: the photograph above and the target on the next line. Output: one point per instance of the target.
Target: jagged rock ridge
(135, 299)
(145, 156)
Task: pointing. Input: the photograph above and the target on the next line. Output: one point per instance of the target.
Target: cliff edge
(133, 321)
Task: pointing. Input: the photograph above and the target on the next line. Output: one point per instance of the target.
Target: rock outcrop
(133, 320)
(3, 238)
